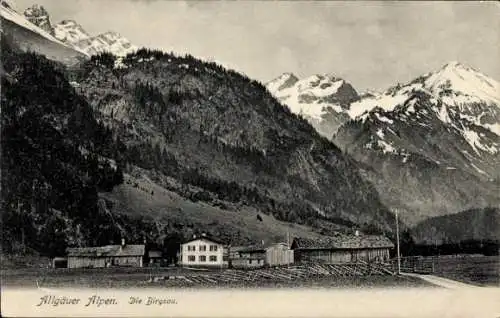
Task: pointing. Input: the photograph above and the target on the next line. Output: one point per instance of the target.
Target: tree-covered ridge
(55, 159)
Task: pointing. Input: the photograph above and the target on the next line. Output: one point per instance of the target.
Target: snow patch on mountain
(111, 42)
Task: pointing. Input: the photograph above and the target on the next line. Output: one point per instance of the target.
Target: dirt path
(442, 282)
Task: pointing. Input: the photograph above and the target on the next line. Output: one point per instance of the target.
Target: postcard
(250, 158)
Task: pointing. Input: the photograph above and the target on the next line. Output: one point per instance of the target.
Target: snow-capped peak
(459, 84)
(111, 42)
(70, 32)
(283, 81)
(322, 99)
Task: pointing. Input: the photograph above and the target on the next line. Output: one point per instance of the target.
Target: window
(191, 258)
(213, 258)
(213, 248)
(203, 248)
(249, 261)
(202, 258)
(191, 248)
(225, 258)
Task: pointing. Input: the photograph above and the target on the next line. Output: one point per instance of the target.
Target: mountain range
(430, 146)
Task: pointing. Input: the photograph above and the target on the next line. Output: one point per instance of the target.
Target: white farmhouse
(203, 251)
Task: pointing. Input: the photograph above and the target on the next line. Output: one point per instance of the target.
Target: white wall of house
(202, 252)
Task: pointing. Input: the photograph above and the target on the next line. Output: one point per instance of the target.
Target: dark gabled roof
(343, 242)
(205, 237)
(253, 249)
(107, 251)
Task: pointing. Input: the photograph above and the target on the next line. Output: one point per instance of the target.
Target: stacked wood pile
(277, 274)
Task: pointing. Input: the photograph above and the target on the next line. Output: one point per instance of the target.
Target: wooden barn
(106, 256)
(342, 249)
(276, 254)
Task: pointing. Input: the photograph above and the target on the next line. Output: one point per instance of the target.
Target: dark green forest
(53, 160)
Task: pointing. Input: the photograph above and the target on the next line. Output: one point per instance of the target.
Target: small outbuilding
(247, 257)
(279, 254)
(59, 262)
(342, 249)
(276, 254)
(155, 258)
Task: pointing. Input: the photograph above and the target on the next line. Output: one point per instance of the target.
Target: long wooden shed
(342, 249)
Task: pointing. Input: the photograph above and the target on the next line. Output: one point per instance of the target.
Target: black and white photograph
(304, 158)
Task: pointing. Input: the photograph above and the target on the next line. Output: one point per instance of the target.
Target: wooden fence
(277, 274)
(415, 264)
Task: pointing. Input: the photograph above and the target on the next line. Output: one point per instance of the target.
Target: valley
(149, 144)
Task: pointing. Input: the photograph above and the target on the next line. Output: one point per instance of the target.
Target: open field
(336, 276)
(477, 270)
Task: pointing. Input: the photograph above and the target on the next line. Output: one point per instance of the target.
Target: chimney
(203, 234)
(194, 236)
(123, 242)
(356, 233)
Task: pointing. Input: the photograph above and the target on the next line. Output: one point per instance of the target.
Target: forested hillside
(218, 130)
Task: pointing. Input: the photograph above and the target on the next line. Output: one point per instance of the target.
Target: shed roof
(154, 254)
(107, 251)
(343, 242)
(256, 248)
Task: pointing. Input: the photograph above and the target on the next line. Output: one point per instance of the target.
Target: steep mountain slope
(30, 37)
(324, 100)
(475, 224)
(40, 17)
(218, 130)
(430, 146)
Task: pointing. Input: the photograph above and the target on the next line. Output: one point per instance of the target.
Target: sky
(373, 45)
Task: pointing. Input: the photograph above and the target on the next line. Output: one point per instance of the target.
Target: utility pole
(21, 225)
(397, 243)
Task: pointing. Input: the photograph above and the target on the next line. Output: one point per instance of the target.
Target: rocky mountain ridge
(73, 34)
(324, 100)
